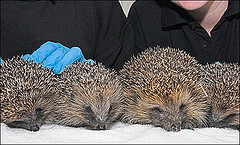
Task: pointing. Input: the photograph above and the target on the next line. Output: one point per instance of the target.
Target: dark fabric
(165, 24)
(100, 29)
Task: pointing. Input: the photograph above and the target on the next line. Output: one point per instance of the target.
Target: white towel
(120, 133)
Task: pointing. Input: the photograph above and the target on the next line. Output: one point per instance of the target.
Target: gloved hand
(0, 60)
(56, 56)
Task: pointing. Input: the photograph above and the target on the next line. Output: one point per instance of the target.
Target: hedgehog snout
(216, 118)
(101, 127)
(176, 127)
(33, 124)
(34, 127)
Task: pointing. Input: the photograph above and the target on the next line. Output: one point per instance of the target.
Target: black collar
(173, 15)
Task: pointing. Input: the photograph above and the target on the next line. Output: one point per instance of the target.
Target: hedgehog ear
(88, 109)
(182, 107)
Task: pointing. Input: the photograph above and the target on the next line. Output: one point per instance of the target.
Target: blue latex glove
(56, 56)
(0, 60)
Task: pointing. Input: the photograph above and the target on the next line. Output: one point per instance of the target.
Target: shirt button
(205, 44)
(192, 27)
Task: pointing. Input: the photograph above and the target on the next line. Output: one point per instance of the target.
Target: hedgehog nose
(176, 127)
(101, 127)
(34, 127)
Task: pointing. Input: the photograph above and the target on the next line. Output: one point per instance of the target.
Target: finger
(1, 60)
(44, 51)
(71, 56)
(89, 61)
(54, 58)
(26, 56)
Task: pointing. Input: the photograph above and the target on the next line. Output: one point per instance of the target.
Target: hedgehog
(27, 93)
(90, 96)
(162, 87)
(221, 82)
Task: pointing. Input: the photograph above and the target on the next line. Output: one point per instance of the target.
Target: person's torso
(158, 29)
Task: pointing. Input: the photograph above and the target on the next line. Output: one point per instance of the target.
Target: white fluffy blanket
(120, 133)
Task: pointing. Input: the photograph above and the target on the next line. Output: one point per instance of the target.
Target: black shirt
(100, 29)
(165, 24)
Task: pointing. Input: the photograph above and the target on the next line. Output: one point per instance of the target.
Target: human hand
(56, 56)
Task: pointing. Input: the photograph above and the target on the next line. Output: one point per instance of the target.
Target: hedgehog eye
(157, 110)
(111, 112)
(229, 118)
(110, 109)
(48, 96)
(88, 109)
(182, 108)
(210, 111)
(39, 112)
(89, 114)
(157, 113)
(39, 109)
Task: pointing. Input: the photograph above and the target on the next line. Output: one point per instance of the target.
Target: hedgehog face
(29, 120)
(222, 86)
(93, 95)
(27, 93)
(94, 114)
(101, 117)
(222, 114)
(95, 107)
(169, 119)
(99, 108)
(224, 118)
(175, 113)
(28, 112)
(184, 108)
